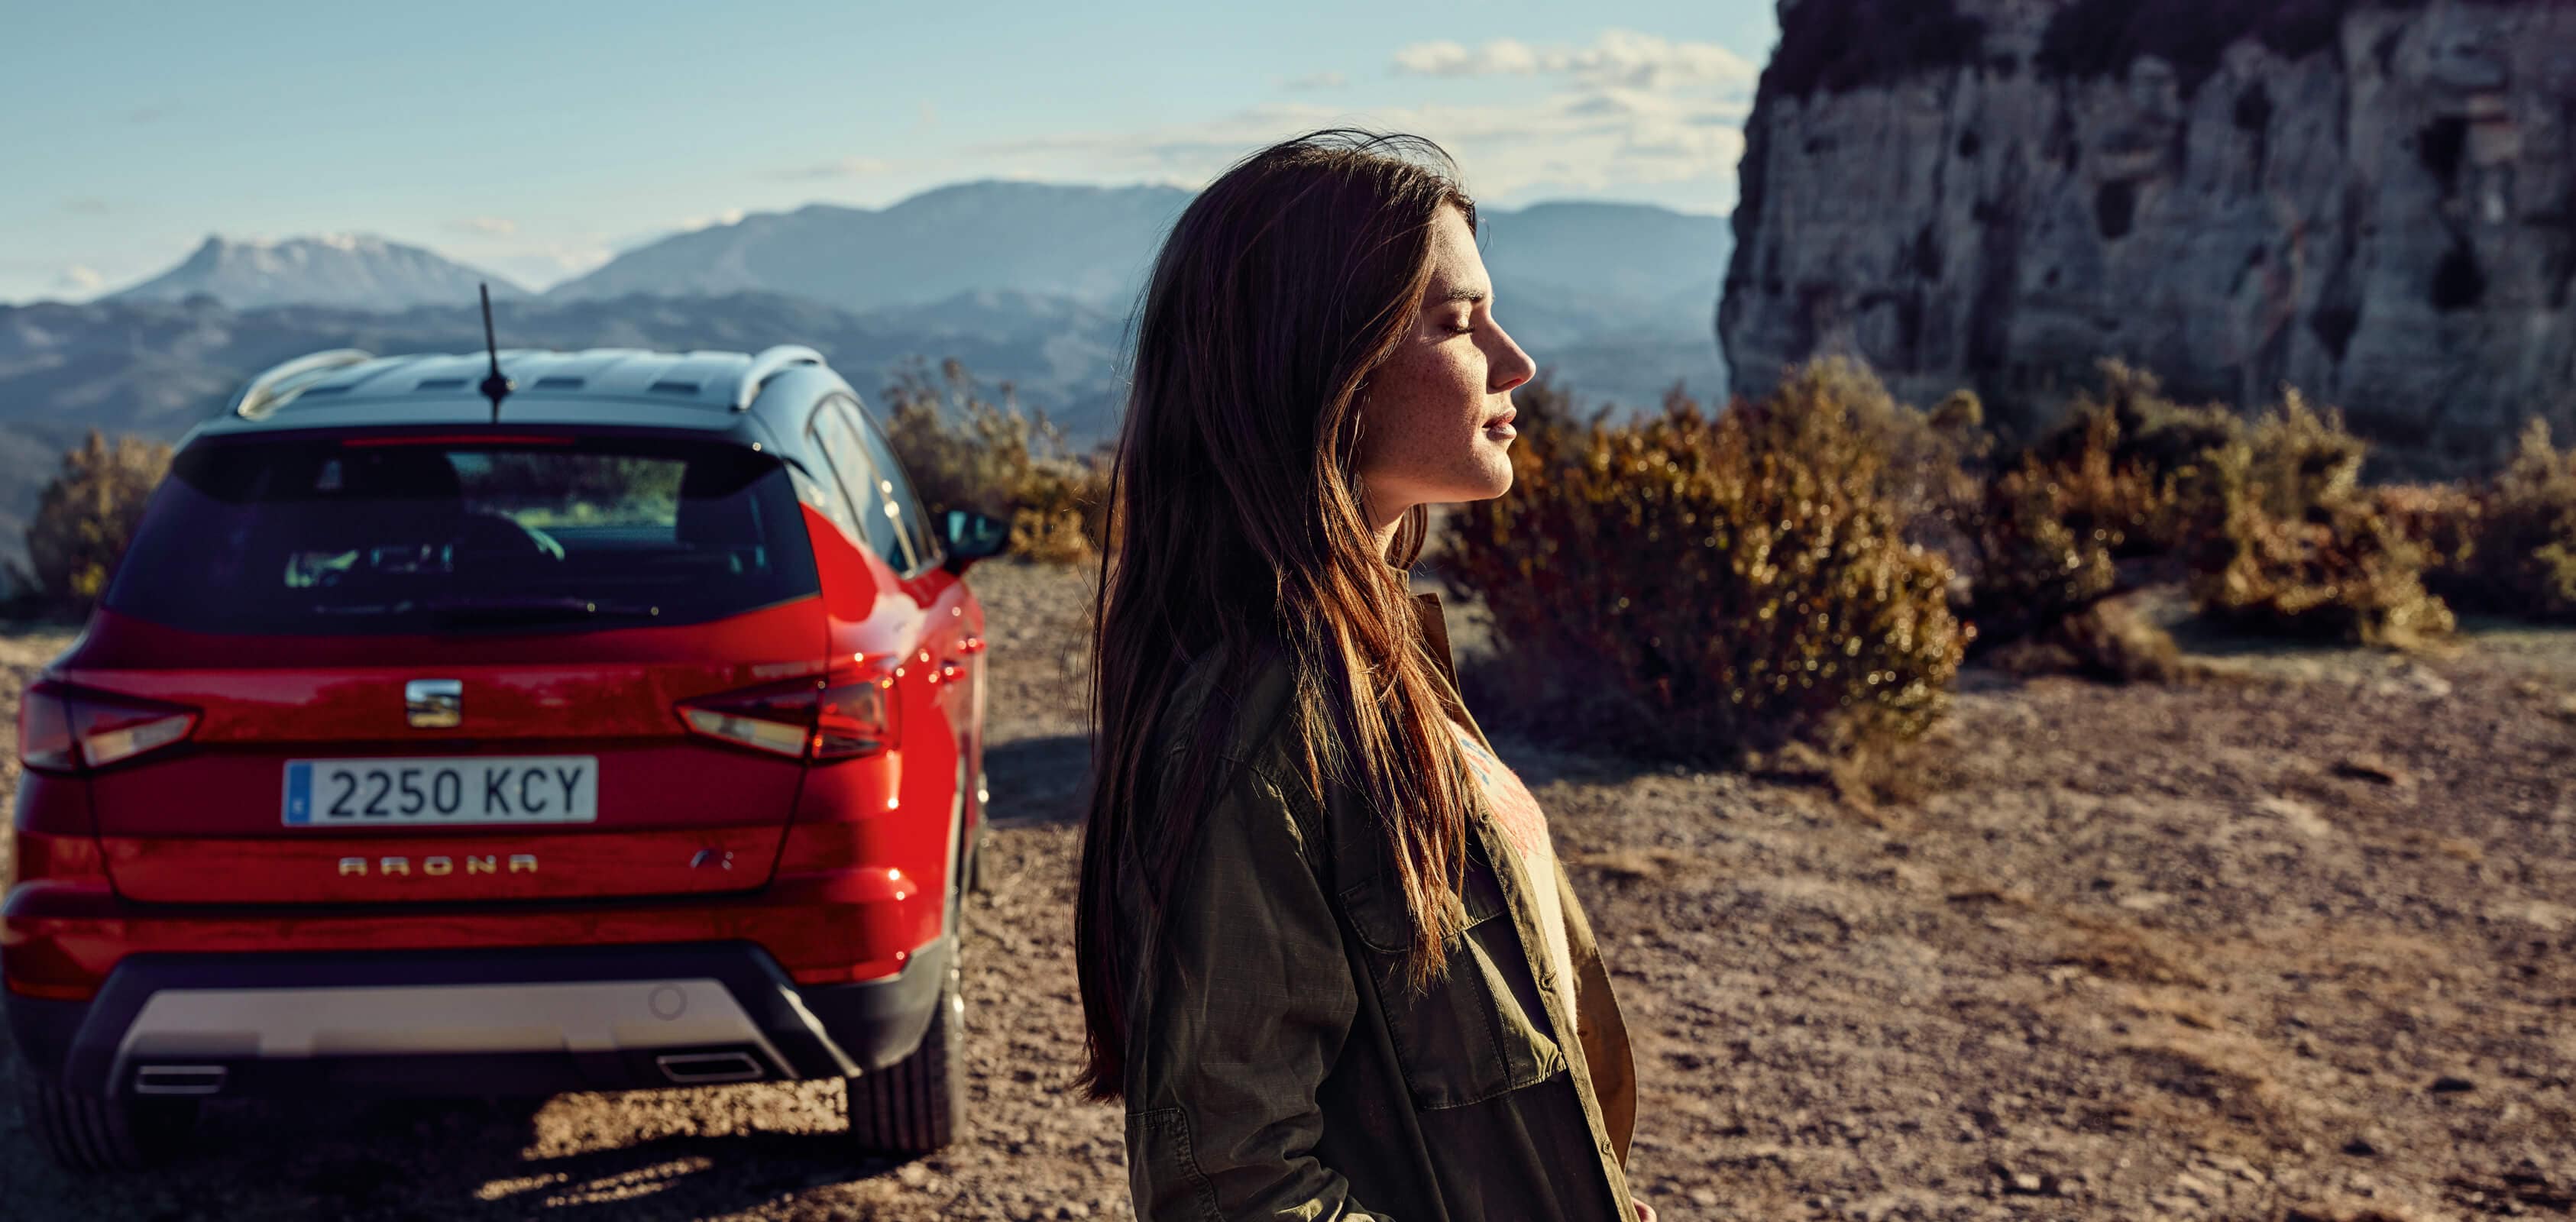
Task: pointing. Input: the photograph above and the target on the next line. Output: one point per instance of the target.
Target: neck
(1383, 522)
(1386, 540)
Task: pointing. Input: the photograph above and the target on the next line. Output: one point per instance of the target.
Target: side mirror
(970, 536)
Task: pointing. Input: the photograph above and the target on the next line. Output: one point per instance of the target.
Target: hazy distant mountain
(1632, 251)
(1620, 299)
(1608, 297)
(351, 270)
(1091, 243)
(155, 368)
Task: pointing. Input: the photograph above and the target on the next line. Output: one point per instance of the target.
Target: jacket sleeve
(1248, 1003)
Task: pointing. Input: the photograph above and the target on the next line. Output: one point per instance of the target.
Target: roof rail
(270, 390)
(769, 364)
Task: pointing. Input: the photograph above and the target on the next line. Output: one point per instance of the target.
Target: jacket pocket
(1478, 1031)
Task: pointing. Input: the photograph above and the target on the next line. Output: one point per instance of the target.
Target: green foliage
(1704, 588)
(87, 514)
(2291, 544)
(965, 449)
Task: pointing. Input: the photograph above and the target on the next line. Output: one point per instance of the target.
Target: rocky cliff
(2373, 200)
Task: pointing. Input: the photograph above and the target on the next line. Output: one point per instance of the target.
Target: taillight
(65, 729)
(45, 731)
(854, 717)
(848, 715)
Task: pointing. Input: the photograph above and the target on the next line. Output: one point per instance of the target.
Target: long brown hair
(1239, 528)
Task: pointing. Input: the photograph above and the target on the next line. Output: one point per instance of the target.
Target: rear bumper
(539, 1020)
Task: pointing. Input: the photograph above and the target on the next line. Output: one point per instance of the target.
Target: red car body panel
(838, 869)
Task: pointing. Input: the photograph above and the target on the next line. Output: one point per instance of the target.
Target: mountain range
(352, 270)
(1029, 283)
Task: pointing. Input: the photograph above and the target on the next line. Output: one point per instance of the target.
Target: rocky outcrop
(2373, 200)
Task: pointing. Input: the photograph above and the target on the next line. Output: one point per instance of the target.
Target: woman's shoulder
(1229, 704)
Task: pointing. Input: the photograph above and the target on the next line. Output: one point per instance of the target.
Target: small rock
(2301, 817)
(2360, 1147)
(2372, 768)
(1705, 1198)
(913, 1175)
(2449, 1084)
(2028, 1183)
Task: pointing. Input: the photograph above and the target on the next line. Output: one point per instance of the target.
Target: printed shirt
(1522, 823)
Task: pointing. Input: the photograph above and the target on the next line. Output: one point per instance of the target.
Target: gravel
(2291, 943)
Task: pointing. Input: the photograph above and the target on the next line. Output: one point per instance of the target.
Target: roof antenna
(495, 387)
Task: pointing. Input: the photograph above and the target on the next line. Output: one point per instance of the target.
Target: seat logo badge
(720, 859)
(434, 704)
(387, 867)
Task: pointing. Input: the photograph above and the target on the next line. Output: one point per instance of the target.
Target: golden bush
(87, 514)
(966, 449)
(2291, 543)
(2119, 479)
(2506, 546)
(1704, 588)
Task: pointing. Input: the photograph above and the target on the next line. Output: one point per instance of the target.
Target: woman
(1328, 958)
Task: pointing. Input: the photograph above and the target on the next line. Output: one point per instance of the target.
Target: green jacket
(1278, 1068)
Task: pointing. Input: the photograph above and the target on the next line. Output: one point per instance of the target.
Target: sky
(536, 140)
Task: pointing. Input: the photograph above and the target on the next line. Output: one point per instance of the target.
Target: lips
(1502, 418)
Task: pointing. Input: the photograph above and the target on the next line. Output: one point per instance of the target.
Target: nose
(1510, 366)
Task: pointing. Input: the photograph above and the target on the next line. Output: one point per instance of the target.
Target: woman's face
(1435, 424)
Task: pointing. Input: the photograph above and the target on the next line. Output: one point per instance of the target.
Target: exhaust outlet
(708, 1068)
(179, 1079)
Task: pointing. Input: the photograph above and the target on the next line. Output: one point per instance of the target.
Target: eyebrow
(1469, 296)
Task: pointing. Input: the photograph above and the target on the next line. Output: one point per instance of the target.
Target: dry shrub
(966, 449)
(2442, 521)
(1704, 588)
(87, 514)
(2120, 478)
(2291, 544)
(2113, 639)
(2508, 546)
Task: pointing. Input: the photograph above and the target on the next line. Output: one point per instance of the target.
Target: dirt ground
(2289, 944)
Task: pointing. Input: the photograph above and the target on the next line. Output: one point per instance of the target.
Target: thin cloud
(1617, 58)
(846, 167)
(79, 279)
(1626, 111)
(86, 206)
(1315, 81)
(494, 226)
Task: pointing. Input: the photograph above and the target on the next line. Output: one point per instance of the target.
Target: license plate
(412, 790)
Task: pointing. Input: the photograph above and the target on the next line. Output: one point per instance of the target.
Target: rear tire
(912, 1107)
(90, 1134)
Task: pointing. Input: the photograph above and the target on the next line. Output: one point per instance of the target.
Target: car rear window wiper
(488, 612)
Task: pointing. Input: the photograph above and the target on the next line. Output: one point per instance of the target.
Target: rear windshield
(349, 537)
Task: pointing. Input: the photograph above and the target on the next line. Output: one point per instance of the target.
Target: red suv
(624, 732)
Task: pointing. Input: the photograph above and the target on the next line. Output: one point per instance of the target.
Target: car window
(896, 486)
(308, 537)
(857, 472)
(825, 495)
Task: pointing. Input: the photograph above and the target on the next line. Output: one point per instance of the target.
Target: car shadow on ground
(1037, 780)
(446, 1158)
